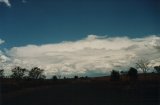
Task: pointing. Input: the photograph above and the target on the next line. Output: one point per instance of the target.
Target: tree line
(38, 73)
(132, 73)
(23, 73)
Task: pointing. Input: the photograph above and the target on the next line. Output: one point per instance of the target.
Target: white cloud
(1, 41)
(7, 2)
(93, 55)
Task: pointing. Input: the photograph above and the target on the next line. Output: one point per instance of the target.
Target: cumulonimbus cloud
(7, 2)
(92, 56)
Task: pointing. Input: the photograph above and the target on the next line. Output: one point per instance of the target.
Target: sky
(85, 37)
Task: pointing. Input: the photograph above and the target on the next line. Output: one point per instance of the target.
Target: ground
(97, 91)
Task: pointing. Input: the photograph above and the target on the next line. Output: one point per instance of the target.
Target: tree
(133, 73)
(75, 77)
(18, 72)
(115, 75)
(1, 73)
(36, 73)
(143, 64)
(64, 78)
(54, 77)
(157, 68)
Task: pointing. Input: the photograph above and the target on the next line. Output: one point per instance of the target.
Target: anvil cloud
(92, 56)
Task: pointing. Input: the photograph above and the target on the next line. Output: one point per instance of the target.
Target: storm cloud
(94, 55)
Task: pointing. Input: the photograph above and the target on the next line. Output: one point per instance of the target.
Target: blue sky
(53, 21)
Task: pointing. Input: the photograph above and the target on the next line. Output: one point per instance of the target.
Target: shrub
(1, 73)
(133, 73)
(54, 77)
(75, 77)
(115, 75)
(157, 68)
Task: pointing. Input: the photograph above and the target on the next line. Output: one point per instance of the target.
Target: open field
(90, 91)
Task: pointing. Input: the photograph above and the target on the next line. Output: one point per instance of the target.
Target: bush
(133, 73)
(1, 73)
(54, 77)
(157, 68)
(115, 75)
(75, 77)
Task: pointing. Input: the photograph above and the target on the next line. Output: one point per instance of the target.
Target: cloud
(1, 41)
(92, 56)
(7, 2)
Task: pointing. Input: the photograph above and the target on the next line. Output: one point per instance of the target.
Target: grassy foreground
(90, 91)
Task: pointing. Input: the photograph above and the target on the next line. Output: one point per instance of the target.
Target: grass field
(90, 91)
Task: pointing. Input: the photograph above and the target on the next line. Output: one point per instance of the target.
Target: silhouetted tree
(36, 73)
(18, 72)
(64, 78)
(75, 77)
(1, 73)
(115, 75)
(133, 73)
(157, 68)
(143, 64)
(54, 77)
